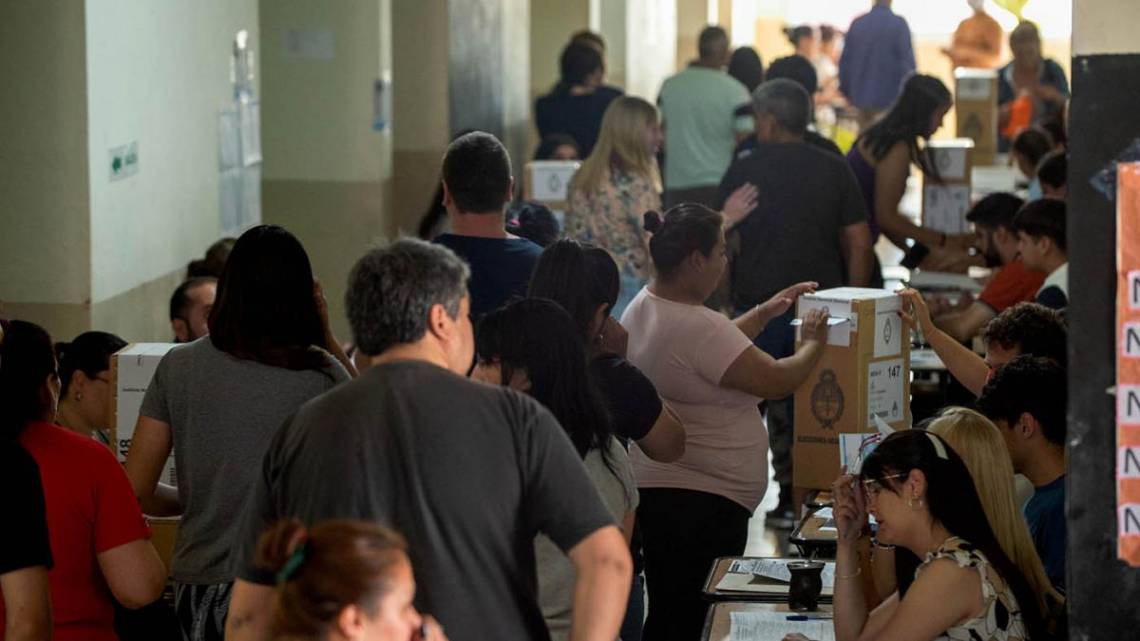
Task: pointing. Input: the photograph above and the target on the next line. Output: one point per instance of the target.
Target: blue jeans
(635, 611)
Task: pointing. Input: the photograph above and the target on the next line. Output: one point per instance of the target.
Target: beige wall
(327, 173)
(78, 250)
(651, 46)
(420, 128)
(692, 16)
(1105, 26)
(44, 222)
(157, 74)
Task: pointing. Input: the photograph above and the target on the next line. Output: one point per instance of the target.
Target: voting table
(765, 622)
(756, 580)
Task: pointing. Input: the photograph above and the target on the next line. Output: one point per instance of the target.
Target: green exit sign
(123, 161)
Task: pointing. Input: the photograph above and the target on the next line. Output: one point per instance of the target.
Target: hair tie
(939, 448)
(296, 559)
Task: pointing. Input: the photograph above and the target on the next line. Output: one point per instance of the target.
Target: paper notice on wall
(944, 207)
(229, 139)
(1127, 365)
(249, 120)
(885, 391)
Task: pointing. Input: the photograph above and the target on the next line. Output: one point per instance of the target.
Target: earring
(79, 396)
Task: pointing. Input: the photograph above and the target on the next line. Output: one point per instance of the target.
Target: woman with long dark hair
(708, 369)
(85, 387)
(100, 543)
(533, 346)
(217, 402)
(924, 501)
(584, 280)
(882, 156)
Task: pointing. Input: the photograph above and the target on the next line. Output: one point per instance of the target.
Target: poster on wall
(1128, 362)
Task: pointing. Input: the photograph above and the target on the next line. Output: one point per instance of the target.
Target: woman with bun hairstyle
(342, 580)
(85, 387)
(706, 367)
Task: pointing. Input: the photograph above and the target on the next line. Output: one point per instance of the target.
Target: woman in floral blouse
(618, 183)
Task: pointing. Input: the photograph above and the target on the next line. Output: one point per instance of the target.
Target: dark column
(1104, 593)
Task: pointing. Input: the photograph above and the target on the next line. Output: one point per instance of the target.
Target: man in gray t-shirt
(469, 473)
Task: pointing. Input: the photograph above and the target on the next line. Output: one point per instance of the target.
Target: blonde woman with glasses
(619, 182)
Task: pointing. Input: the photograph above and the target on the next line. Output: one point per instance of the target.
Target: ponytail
(579, 277)
(321, 571)
(686, 228)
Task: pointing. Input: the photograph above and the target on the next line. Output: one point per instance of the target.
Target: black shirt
(469, 473)
(807, 197)
(500, 268)
(632, 400)
(24, 539)
(1052, 297)
(810, 137)
(577, 116)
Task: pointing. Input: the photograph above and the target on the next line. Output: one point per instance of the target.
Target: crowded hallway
(646, 320)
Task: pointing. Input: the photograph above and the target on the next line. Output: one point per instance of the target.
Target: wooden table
(718, 621)
(720, 569)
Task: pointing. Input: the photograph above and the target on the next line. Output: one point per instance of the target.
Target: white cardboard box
(548, 181)
(133, 368)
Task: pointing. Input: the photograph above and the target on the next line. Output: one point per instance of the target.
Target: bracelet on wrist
(857, 572)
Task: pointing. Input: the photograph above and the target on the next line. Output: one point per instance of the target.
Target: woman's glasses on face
(872, 487)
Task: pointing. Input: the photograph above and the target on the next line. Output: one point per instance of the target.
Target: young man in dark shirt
(810, 225)
(468, 473)
(1026, 399)
(477, 185)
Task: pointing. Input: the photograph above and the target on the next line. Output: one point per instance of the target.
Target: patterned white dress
(1001, 619)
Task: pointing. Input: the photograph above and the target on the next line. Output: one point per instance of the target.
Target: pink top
(685, 350)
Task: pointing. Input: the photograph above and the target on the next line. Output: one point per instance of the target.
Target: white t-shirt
(685, 351)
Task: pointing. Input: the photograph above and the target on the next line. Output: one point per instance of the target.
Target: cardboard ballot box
(548, 181)
(132, 369)
(864, 372)
(946, 202)
(975, 92)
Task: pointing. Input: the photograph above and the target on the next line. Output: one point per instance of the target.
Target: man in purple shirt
(877, 57)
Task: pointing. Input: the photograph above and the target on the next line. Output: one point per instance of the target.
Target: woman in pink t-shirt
(704, 365)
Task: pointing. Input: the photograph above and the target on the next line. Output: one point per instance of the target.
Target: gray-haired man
(469, 473)
(810, 225)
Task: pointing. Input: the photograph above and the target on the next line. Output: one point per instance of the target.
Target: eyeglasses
(872, 487)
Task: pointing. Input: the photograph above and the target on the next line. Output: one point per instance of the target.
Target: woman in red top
(99, 540)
